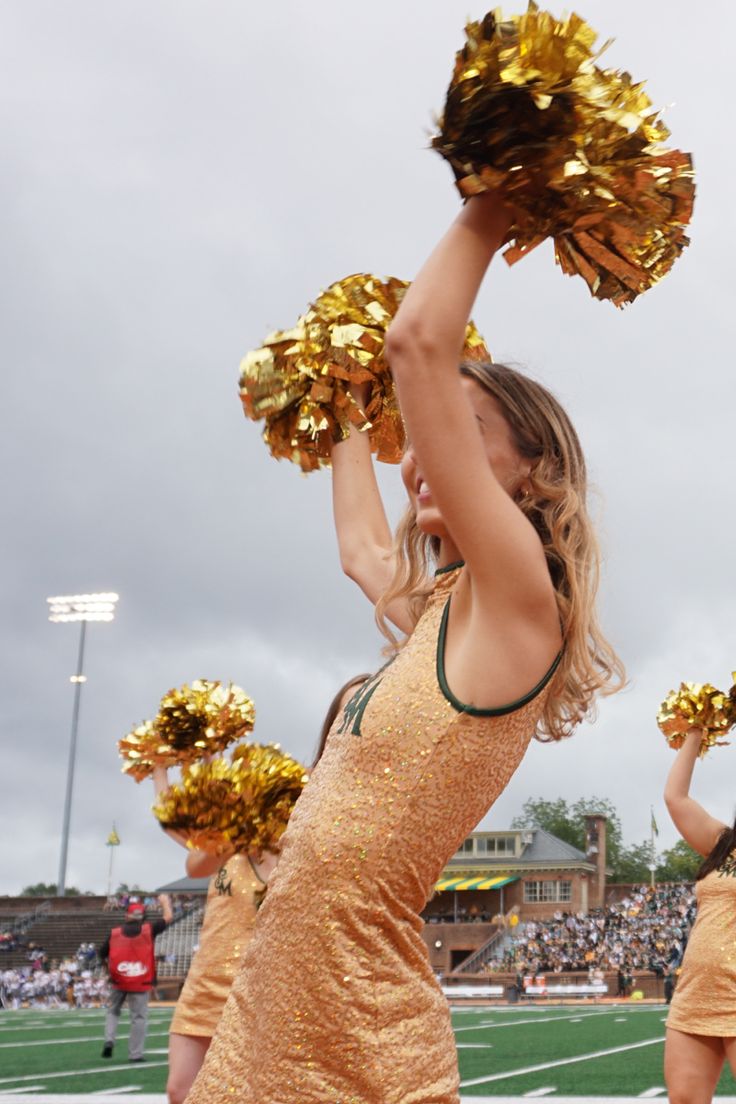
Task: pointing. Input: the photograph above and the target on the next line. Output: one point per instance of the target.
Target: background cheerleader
(701, 1025)
(238, 882)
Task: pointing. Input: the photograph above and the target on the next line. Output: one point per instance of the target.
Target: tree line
(566, 821)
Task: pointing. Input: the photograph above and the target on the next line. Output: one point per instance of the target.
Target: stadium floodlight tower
(81, 608)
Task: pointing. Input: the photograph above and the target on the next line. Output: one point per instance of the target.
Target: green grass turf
(504, 1041)
(71, 1045)
(532, 1036)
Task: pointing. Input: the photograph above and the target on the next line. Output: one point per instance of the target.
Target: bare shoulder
(495, 651)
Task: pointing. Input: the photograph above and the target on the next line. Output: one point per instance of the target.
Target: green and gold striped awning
(455, 884)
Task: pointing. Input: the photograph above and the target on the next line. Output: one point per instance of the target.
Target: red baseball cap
(135, 909)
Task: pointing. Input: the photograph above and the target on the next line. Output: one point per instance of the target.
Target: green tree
(634, 862)
(567, 822)
(679, 864)
(554, 816)
(47, 889)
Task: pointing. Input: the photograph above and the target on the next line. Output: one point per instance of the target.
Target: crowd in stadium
(647, 930)
(64, 986)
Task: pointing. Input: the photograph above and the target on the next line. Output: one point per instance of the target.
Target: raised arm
(160, 786)
(165, 902)
(363, 533)
(201, 864)
(696, 826)
(452, 449)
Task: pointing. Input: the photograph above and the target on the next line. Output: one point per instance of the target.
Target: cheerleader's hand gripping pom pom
(299, 380)
(243, 805)
(698, 706)
(573, 148)
(198, 720)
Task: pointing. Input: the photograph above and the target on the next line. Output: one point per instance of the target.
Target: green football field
(516, 1052)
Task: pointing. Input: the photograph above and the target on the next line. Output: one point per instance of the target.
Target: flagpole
(113, 841)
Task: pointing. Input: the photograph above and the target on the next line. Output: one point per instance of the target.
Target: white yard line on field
(558, 1062)
(82, 1039)
(76, 1073)
(534, 1020)
(118, 1089)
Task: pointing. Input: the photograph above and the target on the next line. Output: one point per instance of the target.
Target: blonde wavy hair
(556, 507)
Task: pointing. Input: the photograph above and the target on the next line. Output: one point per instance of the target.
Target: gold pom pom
(573, 148)
(139, 750)
(243, 805)
(299, 379)
(697, 705)
(198, 720)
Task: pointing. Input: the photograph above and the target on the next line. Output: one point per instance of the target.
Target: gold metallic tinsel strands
(299, 380)
(197, 720)
(697, 705)
(243, 805)
(576, 150)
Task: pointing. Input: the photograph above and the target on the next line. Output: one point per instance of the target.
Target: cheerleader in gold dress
(701, 1026)
(336, 1002)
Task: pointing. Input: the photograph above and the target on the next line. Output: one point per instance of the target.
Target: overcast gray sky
(178, 179)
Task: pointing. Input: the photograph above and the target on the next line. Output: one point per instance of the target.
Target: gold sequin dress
(336, 1002)
(705, 997)
(227, 929)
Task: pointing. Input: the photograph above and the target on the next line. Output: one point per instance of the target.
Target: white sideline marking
(76, 1073)
(539, 1092)
(558, 1062)
(648, 1093)
(474, 1046)
(82, 1039)
(142, 1098)
(160, 1098)
(25, 1089)
(620, 1019)
(578, 1019)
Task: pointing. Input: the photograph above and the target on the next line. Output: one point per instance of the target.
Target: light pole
(81, 608)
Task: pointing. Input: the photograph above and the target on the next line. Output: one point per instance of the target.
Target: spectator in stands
(643, 930)
(130, 959)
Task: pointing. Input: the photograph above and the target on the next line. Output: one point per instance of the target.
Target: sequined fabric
(336, 1002)
(704, 1003)
(226, 931)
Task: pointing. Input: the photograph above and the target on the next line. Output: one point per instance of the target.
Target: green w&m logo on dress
(728, 866)
(352, 714)
(222, 885)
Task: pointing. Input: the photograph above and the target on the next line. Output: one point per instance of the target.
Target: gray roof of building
(548, 848)
(185, 885)
(545, 850)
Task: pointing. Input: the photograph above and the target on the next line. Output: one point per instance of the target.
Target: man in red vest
(131, 963)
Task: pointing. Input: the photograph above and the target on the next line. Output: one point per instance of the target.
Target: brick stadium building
(496, 876)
